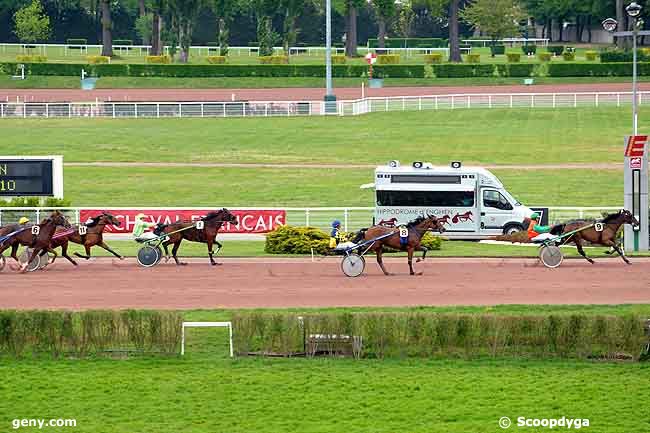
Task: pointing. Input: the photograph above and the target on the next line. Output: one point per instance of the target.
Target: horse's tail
(557, 229)
(360, 236)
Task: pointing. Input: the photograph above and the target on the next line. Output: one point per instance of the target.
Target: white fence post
(618, 99)
(554, 100)
(575, 100)
(596, 99)
(489, 101)
(510, 101)
(307, 217)
(345, 219)
(158, 110)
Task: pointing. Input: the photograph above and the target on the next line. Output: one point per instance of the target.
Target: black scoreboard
(27, 177)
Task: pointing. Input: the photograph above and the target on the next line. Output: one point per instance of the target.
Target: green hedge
(421, 334)
(444, 70)
(88, 333)
(409, 43)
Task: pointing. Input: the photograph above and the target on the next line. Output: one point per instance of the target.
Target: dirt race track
(247, 283)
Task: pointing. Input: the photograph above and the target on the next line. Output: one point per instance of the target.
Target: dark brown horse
(37, 237)
(88, 235)
(416, 229)
(212, 222)
(607, 237)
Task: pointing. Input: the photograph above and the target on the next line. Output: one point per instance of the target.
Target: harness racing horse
(607, 236)
(416, 229)
(93, 236)
(38, 237)
(187, 230)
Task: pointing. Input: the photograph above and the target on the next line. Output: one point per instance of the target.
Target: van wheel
(511, 229)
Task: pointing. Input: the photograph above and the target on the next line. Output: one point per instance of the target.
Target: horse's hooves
(419, 273)
(182, 264)
(216, 264)
(629, 263)
(592, 262)
(418, 260)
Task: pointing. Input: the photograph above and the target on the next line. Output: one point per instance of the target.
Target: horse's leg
(64, 253)
(107, 248)
(578, 243)
(411, 250)
(34, 254)
(165, 245)
(210, 252)
(50, 250)
(616, 248)
(14, 252)
(424, 254)
(87, 256)
(380, 261)
(174, 251)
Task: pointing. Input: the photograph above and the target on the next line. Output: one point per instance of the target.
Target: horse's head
(435, 224)
(228, 217)
(58, 219)
(109, 219)
(628, 218)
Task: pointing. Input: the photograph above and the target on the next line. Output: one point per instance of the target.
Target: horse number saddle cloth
(403, 235)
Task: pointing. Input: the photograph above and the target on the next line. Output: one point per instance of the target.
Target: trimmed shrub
(96, 60)
(473, 58)
(398, 71)
(297, 240)
(216, 60)
(338, 59)
(529, 50)
(434, 58)
(513, 57)
(109, 70)
(274, 60)
(516, 70)
(591, 55)
(556, 50)
(448, 335)
(158, 59)
(388, 59)
(593, 69)
(36, 58)
(409, 43)
(544, 57)
(497, 50)
(453, 70)
(615, 56)
(569, 56)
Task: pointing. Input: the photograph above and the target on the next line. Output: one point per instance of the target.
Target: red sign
(371, 58)
(636, 163)
(250, 221)
(636, 145)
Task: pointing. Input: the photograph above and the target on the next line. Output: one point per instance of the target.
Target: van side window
(496, 200)
(425, 198)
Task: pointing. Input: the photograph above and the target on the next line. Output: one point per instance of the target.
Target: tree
(184, 13)
(31, 23)
(496, 18)
(454, 39)
(266, 37)
(351, 7)
(291, 9)
(158, 9)
(143, 25)
(385, 10)
(107, 25)
(224, 10)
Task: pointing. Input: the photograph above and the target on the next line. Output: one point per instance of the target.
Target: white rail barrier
(352, 218)
(311, 108)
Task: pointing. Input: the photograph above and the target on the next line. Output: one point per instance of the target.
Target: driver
(140, 226)
(537, 232)
(23, 221)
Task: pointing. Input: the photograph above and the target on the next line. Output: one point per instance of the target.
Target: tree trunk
(107, 37)
(561, 29)
(224, 33)
(454, 41)
(589, 29)
(185, 37)
(351, 32)
(620, 17)
(155, 35)
(142, 10)
(381, 33)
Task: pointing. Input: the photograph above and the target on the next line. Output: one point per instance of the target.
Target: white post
(452, 102)
(618, 99)
(231, 343)
(532, 101)
(158, 110)
(596, 99)
(575, 100)
(180, 110)
(345, 219)
(183, 340)
(202, 115)
(553, 100)
(307, 217)
(403, 104)
(419, 103)
(136, 109)
(363, 89)
(489, 101)
(511, 101)
(435, 100)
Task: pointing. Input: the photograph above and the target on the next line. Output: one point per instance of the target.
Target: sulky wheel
(551, 256)
(149, 256)
(160, 254)
(34, 264)
(3, 262)
(44, 260)
(353, 265)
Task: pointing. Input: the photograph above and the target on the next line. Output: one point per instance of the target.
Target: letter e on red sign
(636, 145)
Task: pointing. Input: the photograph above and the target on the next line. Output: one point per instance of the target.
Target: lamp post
(330, 98)
(636, 155)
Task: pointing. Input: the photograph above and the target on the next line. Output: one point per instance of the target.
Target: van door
(496, 211)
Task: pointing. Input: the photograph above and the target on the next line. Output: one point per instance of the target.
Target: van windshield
(425, 198)
(510, 198)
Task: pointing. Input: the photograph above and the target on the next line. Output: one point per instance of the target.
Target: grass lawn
(67, 82)
(239, 187)
(483, 136)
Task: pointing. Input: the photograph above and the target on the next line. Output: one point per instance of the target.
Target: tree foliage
(31, 23)
(495, 18)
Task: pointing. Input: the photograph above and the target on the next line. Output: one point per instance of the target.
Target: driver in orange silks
(537, 232)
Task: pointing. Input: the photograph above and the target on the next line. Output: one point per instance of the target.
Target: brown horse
(37, 237)
(416, 229)
(88, 235)
(607, 237)
(212, 222)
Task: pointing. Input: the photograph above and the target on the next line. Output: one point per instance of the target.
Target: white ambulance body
(471, 200)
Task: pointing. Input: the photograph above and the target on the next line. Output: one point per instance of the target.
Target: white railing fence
(311, 108)
(352, 218)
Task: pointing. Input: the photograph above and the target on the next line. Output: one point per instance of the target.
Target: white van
(471, 200)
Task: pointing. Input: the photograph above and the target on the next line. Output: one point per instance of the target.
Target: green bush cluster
(497, 50)
(556, 50)
(569, 56)
(48, 202)
(623, 56)
(544, 57)
(409, 43)
(274, 60)
(339, 59)
(513, 57)
(421, 334)
(529, 50)
(164, 60)
(433, 58)
(88, 333)
(98, 60)
(216, 60)
(591, 55)
(473, 58)
(297, 240)
(388, 59)
(31, 58)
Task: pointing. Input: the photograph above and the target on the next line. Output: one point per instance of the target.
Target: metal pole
(634, 100)
(330, 104)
